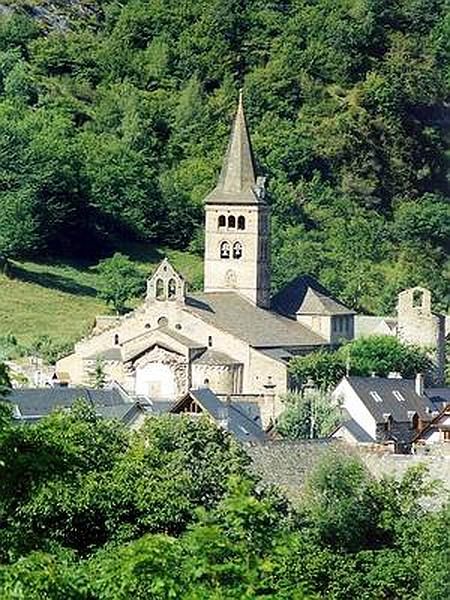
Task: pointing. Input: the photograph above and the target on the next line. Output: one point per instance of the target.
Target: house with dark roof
(232, 337)
(224, 413)
(437, 431)
(31, 404)
(382, 410)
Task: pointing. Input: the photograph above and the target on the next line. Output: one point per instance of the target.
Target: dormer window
(225, 250)
(376, 396)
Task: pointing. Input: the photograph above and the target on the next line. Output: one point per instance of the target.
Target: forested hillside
(114, 117)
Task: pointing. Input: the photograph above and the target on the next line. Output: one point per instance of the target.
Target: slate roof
(237, 180)
(39, 402)
(370, 325)
(110, 354)
(355, 429)
(439, 395)
(212, 357)
(304, 295)
(390, 404)
(286, 463)
(141, 343)
(237, 422)
(259, 327)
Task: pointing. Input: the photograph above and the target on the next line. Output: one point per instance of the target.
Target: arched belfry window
(222, 221)
(241, 223)
(237, 250)
(417, 301)
(160, 291)
(171, 289)
(231, 222)
(225, 250)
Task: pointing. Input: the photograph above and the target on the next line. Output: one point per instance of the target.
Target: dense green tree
(120, 119)
(375, 354)
(382, 355)
(5, 382)
(306, 416)
(89, 510)
(121, 281)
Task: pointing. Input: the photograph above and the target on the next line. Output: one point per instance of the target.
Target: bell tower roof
(237, 182)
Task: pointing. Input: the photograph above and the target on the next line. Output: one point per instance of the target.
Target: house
(225, 414)
(232, 337)
(436, 431)
(382, 410)
(31, 404)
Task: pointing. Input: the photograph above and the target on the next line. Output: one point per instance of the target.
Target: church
(233, 337)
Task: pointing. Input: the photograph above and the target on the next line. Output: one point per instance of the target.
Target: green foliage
(5, 381)
(48, 349)
(375, 354)
(323, 369)
(89, 510)
(114, 127)
(120, 279)
(309, 415)
(97, 377)
(381, 355)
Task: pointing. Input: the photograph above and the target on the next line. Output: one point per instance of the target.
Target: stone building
(416, 323)
(231, 337)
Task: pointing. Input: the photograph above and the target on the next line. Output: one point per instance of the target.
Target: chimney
(419, 384)
(269, 396)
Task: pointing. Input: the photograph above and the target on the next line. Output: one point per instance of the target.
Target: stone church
(232, 337)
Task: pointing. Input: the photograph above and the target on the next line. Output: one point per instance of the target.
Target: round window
(163, 321)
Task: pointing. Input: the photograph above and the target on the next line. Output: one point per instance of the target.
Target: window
(116, 339)
(148, 326)
(192, 408)
(398, 396)
(160, 291)
(206, 381)
(417, 300)
(237, 250)
(224, 250)
(222, 221)
(446, 435)
(231, 222)
(376, 396)
(210, 341)
(241, 223)
(171, 289)
(163, 321)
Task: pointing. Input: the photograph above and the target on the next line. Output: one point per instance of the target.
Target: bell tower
(237, 231)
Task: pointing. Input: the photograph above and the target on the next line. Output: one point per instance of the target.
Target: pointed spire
(237, 181)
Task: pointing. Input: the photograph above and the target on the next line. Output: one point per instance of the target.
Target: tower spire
(237, 181)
